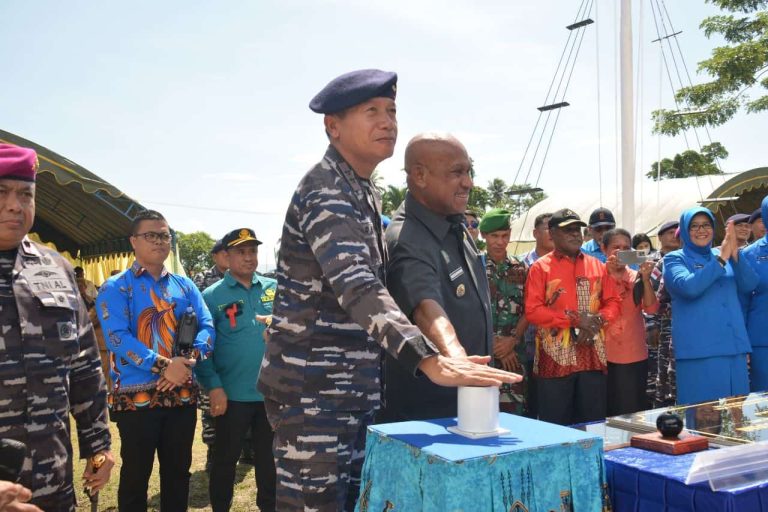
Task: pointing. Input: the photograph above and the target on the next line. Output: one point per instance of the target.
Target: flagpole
(627, 118)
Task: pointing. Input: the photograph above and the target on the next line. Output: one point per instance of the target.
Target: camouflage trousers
(318, 456)
(204, 404)
(513, 398)
(652, 341)
(62, 501)
(666, 383)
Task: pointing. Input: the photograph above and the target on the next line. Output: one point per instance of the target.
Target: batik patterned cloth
(558, 285)
(419, 465)
(139, 316)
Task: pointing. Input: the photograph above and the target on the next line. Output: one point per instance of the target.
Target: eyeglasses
(154, 237)
(695, 228)
(474, 224)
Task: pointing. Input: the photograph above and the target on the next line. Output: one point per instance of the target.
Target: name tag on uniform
(456, 274)
(47, 279)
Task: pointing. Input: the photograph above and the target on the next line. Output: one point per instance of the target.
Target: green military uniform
(507, 280)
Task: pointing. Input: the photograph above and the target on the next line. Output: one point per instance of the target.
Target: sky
(199, 109)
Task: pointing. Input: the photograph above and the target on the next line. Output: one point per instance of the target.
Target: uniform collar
(592, 245)
(436, 223)
(230, 280)
(28, 248)
(137, 270)
(561, 255)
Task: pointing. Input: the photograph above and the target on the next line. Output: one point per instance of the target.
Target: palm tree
(497, 193)
(391, 198)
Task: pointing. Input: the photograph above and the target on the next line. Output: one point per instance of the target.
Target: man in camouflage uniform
(50, 366)
(662, 384)
(506, 277)
(216, 273)
(332, 313)
(203, 280)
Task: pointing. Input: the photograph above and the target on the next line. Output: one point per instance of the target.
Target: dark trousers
(170, 432)
(231, 429)
(533, 397)
(576, 398)
(627, 385)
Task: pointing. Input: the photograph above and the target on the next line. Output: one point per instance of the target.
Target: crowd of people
(666, 322)
(365, 323)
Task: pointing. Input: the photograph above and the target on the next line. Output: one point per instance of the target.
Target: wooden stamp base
(684, 443)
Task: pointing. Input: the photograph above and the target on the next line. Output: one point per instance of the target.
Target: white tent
(660, 202)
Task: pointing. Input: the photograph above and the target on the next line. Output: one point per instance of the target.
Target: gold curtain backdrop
(99, 268)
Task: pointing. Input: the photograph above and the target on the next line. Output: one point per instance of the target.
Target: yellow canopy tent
(82, 216)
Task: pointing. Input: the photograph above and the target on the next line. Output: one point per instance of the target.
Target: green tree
(734, 68)
(391, 198)
(378, 181)
(523, 197)
(478, 200)
(195, 251)
(497, 193)
(690, 163)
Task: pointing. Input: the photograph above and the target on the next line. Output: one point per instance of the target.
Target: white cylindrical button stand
(478, 409)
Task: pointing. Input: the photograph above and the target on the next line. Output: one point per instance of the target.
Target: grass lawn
(245, 483)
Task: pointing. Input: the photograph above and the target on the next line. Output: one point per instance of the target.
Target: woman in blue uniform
(757, 311)
(711, 342)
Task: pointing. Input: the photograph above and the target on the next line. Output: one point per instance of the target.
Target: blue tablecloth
(642, 480)
(420, 466)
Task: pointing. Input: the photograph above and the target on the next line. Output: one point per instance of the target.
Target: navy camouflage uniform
(665, 383)
(49, 368)
(332, 316)
(203, 280)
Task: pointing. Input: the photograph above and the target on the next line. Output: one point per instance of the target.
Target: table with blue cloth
(642, 480)
(420, 466)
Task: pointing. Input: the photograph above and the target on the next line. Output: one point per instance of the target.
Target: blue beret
(757, 214)
(672, 224)
(218, 246)
(738, 218)
(353, 88)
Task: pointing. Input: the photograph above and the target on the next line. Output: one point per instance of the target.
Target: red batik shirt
(554, 284)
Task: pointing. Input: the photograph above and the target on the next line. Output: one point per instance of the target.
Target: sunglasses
(472, 224)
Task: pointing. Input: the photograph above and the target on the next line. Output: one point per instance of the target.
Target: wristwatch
(721, 261)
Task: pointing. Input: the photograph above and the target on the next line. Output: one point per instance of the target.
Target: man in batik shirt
(569, 299)
(506, 277)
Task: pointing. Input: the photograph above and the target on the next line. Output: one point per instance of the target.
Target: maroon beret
(17, 163)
